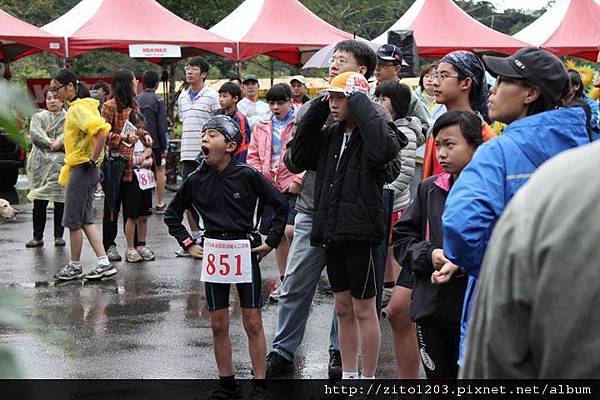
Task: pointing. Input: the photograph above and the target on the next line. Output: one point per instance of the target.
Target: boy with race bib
(227, 197)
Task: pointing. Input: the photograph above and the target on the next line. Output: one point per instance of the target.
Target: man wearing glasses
(389, 64)
(195, 105)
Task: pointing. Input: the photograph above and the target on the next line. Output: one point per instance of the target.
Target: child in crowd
(230, 93)
(349, 157)
(266, 152)
(137, 202)
(439, 286)
(228, 195)
(395, 97)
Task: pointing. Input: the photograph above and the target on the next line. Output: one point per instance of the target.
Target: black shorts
(405, 279)
(187, 167)
(350, 266)
(266, 221)
(136, 202)
(158, 157)
(217, 294)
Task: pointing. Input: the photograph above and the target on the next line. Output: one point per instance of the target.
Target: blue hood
(542, 136)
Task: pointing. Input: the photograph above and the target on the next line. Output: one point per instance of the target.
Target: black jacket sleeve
(174, 216)
(410, 248)
(380, 139)
(305, 147)
(270, 196)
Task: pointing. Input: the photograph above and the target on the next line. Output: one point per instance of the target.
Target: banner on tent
(154, 50)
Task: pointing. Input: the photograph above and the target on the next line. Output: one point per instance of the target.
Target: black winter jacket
(348, 197)
(416, 234)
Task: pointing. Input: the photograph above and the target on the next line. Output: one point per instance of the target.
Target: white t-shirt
(194, 114)
(254, 111)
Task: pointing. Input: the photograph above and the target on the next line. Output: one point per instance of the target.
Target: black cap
(389, 52)
(534, 65)
(227, 126)
(249, 78)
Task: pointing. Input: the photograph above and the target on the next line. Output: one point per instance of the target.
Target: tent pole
(239, 62)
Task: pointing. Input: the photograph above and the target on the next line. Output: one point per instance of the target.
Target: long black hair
(122, 89)
(64, 76)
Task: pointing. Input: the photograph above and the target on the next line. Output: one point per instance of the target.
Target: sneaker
(98, 194)
(59, 242)
(133, 256)
(386, 295)
(274, 295)
(68, 273)
(277, 365)
(221, 393)
(160, 208)
(113, 254)
(146, 253)
(101, 271)
(335, 365)
(34, 243)
(259, 393)
(182, 253)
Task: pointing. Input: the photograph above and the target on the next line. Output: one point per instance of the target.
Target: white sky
(519, 4)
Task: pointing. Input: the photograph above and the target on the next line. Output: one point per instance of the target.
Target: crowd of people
(335, 183)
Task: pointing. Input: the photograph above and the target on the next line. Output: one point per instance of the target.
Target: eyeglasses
(191, 69)
(338, 60)
(56, 88)
(441, 77)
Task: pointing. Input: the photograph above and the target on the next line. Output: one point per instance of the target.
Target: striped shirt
(194, 114)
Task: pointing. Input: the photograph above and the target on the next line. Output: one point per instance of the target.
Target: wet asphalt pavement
(150, 321)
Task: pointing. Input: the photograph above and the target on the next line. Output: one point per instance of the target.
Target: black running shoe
(278, 366)
(335, 365)
(221, 393)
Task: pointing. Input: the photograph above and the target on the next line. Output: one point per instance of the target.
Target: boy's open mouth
(205, 150)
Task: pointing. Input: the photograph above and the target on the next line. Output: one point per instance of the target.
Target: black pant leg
(39, 218)
(109, 225)
(59, 230)
(438, 347)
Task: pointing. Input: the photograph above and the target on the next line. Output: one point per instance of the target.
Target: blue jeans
(304, 266)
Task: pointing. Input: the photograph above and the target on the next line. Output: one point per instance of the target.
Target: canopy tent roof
(567, 28)
(283, 29)
(115, 24)
(440, 26)
(19, 39)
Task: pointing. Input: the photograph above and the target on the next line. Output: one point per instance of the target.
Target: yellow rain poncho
(82, 124)
(43, 165)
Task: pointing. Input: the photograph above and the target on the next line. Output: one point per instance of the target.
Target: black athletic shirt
(230, 202)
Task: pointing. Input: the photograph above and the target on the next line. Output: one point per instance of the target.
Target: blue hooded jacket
(499, 168)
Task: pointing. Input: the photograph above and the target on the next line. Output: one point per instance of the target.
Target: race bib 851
(226, 261)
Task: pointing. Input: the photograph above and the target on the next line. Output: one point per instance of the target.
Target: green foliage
(15, 104)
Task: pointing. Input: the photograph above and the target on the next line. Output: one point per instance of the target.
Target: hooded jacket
(499, 168)
(348, 189)
(411, 128)
(416, 234)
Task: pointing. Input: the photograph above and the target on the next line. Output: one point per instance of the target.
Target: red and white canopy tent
(19, 39)
(570, 27)
(116, 24)
(283, 29)
(440, 26)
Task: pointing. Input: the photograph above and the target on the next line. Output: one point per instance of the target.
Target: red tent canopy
(115, 24)
(440, 26)
(283, 29)
(19, 39)
(568, 28)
